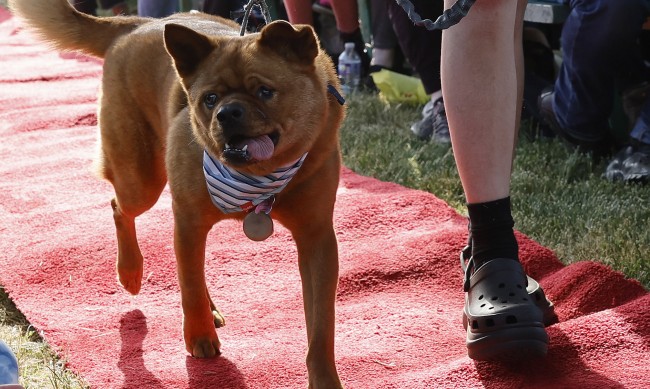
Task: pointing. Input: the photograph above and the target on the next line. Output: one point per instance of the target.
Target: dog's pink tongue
(260, 148)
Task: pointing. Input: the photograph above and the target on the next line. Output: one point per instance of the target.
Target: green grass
(40, 368)
(559, 198)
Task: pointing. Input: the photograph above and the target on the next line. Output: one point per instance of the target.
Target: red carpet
(399, 306)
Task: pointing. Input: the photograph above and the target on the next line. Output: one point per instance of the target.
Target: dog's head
(259, 101)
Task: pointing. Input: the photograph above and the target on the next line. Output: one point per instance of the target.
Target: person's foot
(433, 125)
(597, 147)
(502, 320)
(533, 288)
(630, 164)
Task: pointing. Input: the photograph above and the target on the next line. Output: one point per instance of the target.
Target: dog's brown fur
(154, 127)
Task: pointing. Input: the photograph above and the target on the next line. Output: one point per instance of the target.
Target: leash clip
(247, 13)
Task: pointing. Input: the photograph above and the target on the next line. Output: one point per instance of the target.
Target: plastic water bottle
(349, 69)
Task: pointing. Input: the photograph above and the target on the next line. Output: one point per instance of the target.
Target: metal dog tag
(258, 226)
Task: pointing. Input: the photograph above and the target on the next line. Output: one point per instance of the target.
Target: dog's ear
(187, 48)
(298, 43)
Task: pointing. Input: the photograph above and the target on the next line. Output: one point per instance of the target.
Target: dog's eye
(210, 100)
(265, 92)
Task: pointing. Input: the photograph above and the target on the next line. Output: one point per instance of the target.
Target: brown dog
(258, 104)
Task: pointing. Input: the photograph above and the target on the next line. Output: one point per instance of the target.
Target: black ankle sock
(491, 230)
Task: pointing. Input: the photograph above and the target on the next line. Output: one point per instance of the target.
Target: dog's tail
(58, 23)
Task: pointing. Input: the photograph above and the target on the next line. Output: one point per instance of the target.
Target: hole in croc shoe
(537, 297)
(482, 305)
(489, 323)
(511, 319)
(511, 294)
(494, 298)
(504, 301)
(519, 286)
(480, 297)
(502, 285)
(475, 324)
(525, 299)
(491, 308)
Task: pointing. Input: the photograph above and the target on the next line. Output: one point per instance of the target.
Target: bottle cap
(349, 45)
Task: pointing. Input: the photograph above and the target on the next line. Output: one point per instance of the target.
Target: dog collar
(336, 94)
(232, 191)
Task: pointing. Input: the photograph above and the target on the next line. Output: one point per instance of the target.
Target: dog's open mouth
(241, 149)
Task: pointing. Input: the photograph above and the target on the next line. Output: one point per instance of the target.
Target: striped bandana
(232, 191)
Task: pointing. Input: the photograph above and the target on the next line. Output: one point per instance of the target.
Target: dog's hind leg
(219, 319)
(130, 261)
(132, 159)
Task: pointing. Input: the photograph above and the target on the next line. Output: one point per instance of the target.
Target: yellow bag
(399, 88)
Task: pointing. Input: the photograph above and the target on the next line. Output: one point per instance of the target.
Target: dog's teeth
(227, 146)
(245, 148)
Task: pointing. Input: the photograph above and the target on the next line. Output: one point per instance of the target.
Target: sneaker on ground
(433, 125)
(631, 164)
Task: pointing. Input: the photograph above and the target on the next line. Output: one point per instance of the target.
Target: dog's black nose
(230, 114)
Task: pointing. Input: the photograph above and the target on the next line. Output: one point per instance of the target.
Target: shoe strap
(467, 265)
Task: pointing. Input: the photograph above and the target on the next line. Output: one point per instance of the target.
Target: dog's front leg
(318, 262)
(190, 234)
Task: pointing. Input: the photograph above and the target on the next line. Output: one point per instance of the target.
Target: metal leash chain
(448, 18)
(267, 18)
(247, 13)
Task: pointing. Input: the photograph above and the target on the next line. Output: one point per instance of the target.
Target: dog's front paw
(205, 347)
(326, 383)
(201, 338)
(323, 375)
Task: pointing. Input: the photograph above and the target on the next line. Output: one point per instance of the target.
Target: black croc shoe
(533, 288)
(503, 322)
